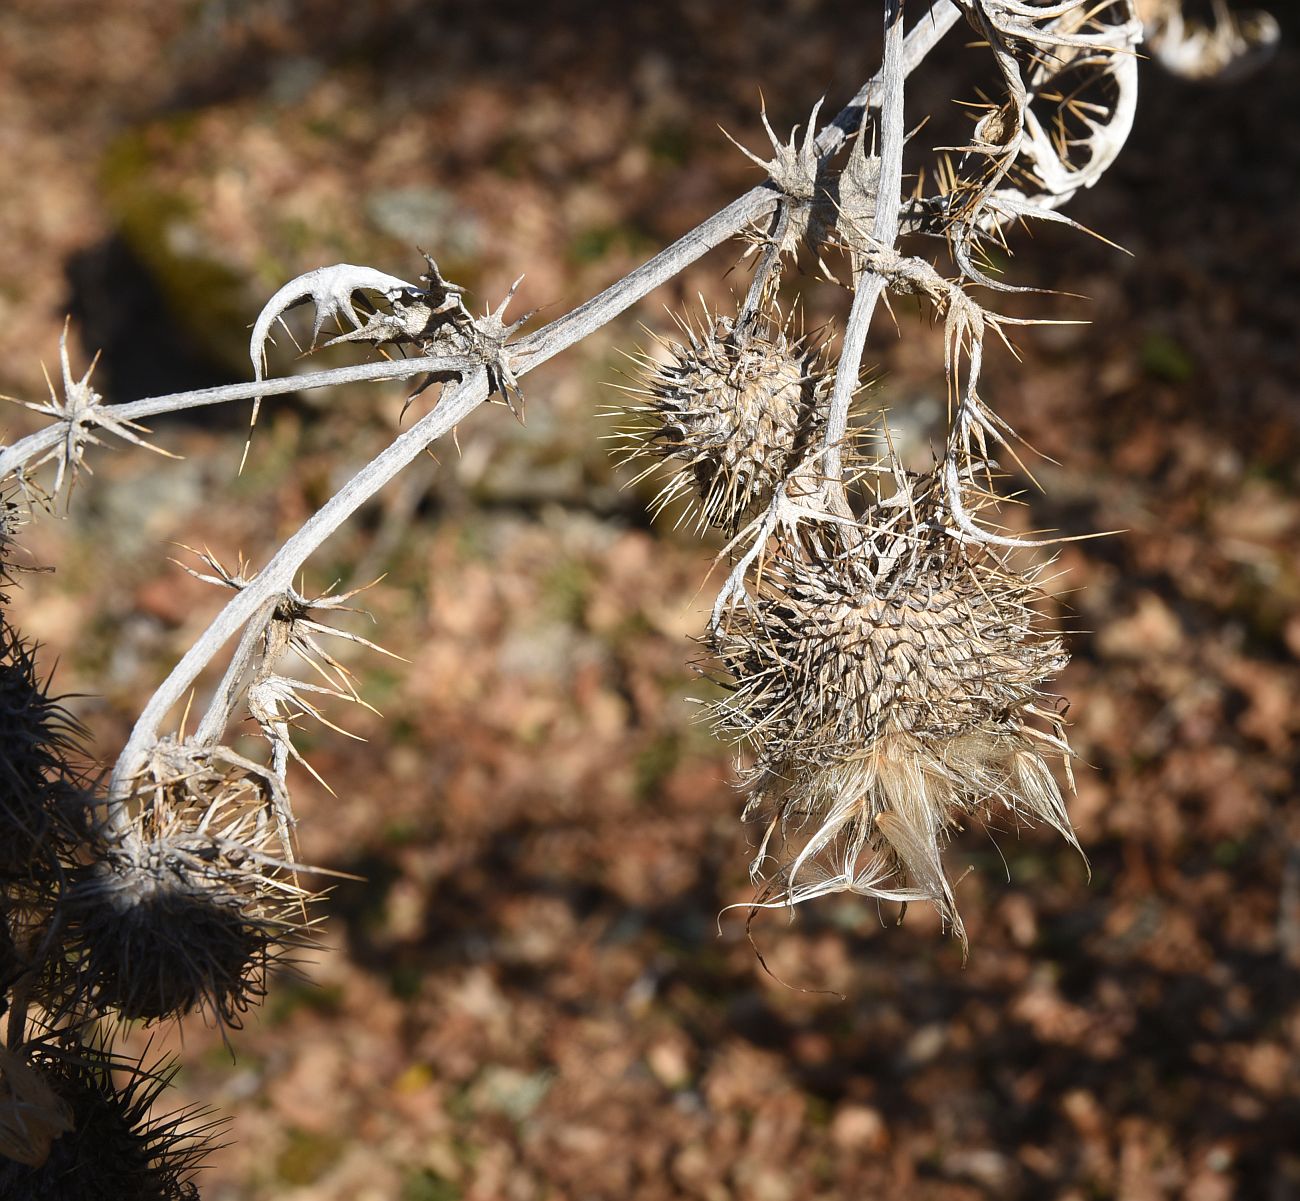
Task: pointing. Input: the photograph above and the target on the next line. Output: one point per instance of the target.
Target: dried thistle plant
(892, 681)
(883, 643)
(732, 410)
(77, 1123)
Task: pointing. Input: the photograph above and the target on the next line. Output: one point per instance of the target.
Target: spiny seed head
(173, 918)
(888, 681)
(831, 655)
(97, 1139)
(157, 944)
(734, 409)
(43, 806)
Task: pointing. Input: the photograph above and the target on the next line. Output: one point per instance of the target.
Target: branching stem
(12, 458)
(884, 232)
(768, 263)
(278, 574)
(461, 399)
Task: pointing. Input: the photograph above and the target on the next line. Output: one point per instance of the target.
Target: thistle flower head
(890, 683)
(734, 410)
(183, 912)
(72, 1130)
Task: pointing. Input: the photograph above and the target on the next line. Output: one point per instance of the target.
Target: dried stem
(13, 458)
(884, 234)
(279, 573)
(461, 399)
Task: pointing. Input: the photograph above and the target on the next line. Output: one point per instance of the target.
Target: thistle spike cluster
(429, 315)
(79, 413)
(731, 415)
(77, 1123)
(889, 682)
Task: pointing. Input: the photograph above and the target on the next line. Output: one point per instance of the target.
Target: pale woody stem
(461, 399)
(871, 285)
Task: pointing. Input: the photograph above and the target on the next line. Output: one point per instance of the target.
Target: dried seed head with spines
(734, 409)
(76, 1124)
(182, 912)
(43, 799)
(890, 682)
(157, 944)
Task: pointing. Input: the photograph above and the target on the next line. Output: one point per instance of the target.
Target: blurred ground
(529, 997)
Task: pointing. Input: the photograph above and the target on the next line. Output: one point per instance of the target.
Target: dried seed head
(42, 801)
(90, 1137)
(889, 687)
(176, 916)
(159, 945)
(831, 656)
(734, 413)
(32, 1115)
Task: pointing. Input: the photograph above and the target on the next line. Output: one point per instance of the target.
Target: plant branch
(928, 31)
(769, 262)
(884, 234)
(223, 700)
(460, 400)
(755, 204)
(529, 351)
(13, 458)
